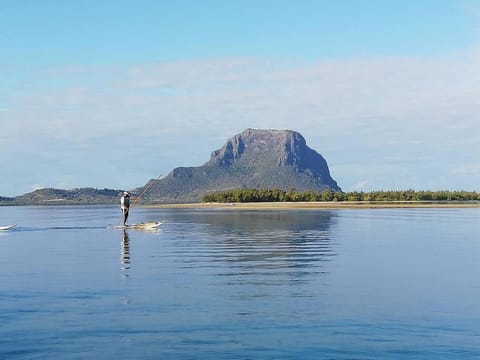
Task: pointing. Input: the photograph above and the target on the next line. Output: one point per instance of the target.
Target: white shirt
(124, 202)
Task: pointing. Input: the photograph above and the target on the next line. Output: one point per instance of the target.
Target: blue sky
(113, 93)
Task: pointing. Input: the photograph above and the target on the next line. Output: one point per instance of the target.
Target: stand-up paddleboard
(153, 225)
(7, 227)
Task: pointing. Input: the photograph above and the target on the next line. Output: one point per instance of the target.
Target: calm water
(309, 284)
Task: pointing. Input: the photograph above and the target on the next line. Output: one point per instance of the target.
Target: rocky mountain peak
(285, 145)
(258, 148)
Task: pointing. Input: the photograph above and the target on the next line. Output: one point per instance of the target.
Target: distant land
(49, 196)
(253, 166)
(252, 159)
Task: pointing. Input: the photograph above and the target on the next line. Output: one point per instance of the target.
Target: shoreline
(319, 205)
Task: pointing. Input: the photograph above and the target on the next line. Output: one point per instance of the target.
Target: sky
(112, 93)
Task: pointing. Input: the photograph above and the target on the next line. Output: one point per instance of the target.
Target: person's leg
(125, 216)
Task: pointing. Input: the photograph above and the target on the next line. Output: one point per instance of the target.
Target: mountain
(253, 159)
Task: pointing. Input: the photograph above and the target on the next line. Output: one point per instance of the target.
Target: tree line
(278, 195)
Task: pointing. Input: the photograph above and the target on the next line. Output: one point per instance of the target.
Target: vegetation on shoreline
(278, 195)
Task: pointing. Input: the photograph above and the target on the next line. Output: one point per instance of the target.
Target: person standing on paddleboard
(125, 206)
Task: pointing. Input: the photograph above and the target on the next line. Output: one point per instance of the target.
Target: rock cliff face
(255, 158)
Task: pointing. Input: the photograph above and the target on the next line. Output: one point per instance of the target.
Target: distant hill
(4, 199)
(51, 196)
(253, 159)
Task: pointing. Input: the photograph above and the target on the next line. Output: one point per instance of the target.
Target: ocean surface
(238, 284)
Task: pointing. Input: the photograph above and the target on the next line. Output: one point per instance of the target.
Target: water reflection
(125, 253)
(262, 247)
(253, 220)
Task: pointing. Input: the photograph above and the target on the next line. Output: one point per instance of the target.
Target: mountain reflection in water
(260, 247)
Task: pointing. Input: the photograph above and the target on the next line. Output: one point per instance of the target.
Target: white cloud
(361, 185)
(363, 115)
(466, 170)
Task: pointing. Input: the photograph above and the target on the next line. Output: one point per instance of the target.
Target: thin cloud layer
(380, 123)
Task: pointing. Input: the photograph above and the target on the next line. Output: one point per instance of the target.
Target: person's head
(125, 193)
